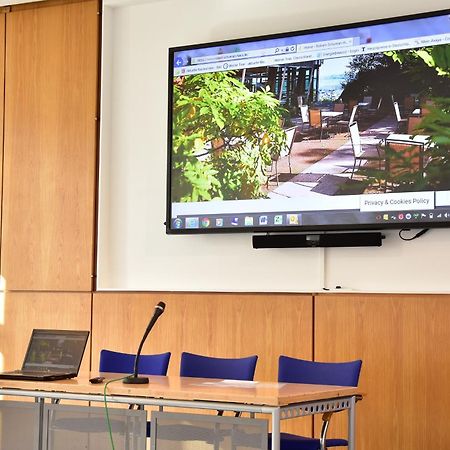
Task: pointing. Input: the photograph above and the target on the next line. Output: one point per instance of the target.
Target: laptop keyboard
(32, 372)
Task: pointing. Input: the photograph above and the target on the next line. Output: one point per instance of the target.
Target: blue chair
(118, 362)
(124, 363)
(292, 370)
(199, 366)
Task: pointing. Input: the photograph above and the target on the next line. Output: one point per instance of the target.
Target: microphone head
(161, 306)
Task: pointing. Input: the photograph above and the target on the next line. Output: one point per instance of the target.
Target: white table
(421, 139)
(331, 114)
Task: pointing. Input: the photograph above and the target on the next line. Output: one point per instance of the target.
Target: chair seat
(294, 442)
(370, 152)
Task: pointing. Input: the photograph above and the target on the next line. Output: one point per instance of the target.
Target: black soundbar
(366, 239)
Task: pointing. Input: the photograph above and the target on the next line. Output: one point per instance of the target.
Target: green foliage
(436, 123)
(437, 57)
(223, 135)
(402, 173)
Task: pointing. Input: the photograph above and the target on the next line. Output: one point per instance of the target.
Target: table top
(204, 389)
(418, 138)
(332, 113)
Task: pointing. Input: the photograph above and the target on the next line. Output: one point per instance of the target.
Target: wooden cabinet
(2, 94)
(403, 342)
(50, 150)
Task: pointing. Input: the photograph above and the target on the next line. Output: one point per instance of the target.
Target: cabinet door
(2, 93)
(50, 146)
(403, 342)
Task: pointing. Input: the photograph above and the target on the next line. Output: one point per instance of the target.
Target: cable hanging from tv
(417, 235)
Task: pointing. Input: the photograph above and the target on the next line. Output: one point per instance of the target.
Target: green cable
(108, 422)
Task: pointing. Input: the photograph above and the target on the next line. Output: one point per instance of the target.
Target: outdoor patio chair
(362, 152)
(304, 113)
(401, 122)
(290, 138)
(374, 111)
(316, 123)
(367, 100)
(344, 124)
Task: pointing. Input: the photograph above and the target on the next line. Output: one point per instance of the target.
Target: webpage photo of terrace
(353, 125)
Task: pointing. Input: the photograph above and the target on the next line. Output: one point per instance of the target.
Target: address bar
(244, 55)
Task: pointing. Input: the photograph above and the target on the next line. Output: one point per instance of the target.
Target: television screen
(339, 128)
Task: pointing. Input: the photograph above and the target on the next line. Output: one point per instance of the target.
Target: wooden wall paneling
(50, 146)
(2, 97)
(223, 325)
(23, 311)
(403, 342)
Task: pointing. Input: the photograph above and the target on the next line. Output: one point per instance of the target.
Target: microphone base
(132, 379)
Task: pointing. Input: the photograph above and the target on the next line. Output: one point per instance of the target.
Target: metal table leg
(276, 429)
(351, 424)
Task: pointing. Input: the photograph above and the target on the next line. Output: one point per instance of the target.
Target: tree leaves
(214, 108)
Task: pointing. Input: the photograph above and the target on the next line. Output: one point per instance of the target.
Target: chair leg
(276, 171)
(323, 433)
(353, 170)
(289, 162)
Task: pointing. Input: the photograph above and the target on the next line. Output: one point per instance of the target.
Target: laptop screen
(55, 350)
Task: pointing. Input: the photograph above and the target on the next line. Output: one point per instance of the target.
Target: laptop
(51, 355)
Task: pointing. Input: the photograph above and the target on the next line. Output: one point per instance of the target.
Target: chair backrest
(124, 363)
(355, 139)
(315, 118)
(414, 124)
(293, 370)
(339, 107)
(397, 112)
(367, 99)
(304, 113)
(290, 137)
(200, 366)
(353, 114)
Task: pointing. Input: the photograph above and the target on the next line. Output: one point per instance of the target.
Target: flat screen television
(337, 128)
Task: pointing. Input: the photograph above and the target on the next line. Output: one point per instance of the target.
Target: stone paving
(325, 167)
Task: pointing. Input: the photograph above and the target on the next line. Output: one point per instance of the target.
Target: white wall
(134, 251)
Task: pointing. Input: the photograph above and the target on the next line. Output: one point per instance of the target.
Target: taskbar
(307, 219)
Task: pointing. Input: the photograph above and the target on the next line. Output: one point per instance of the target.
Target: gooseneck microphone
(134, 379)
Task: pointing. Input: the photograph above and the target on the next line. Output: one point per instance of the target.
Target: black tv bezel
(292, 228)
